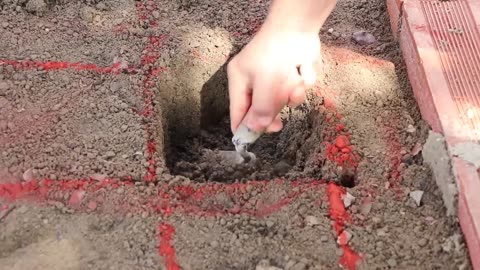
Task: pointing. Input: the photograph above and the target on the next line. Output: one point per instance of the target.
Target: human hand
(272, 71)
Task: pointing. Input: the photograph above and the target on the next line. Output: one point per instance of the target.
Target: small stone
(422, 242)
(214, 244)
(299, 266)
(3, 88)
(101, 6)
(120, 190)
(23, 209)
(344, 238)
(28, 175)
(86, 13)
(37, 7)
(324, 238)
(392, 262)
(11, 125)
(411, 129)
(365, 207)
(156, 14)
(98, 177)
(76, 198)
(330, 31)
(348, 199)
(311, 221)
(4, 24)
(269, 223)
(363, 38)
(417, 196)
(92, 205)
(110, 154)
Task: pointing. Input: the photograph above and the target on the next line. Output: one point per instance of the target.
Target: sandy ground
(111, 113)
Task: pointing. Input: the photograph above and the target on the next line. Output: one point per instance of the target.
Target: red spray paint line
(55, 65)
(340, 216)
(150, 56)
(340, 151)
(187, 199)
(166, 249)
(193, 200)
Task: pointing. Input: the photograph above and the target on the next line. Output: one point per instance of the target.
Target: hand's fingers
(297, 96)
(268, 99)
(240, 98)
(276, 125)
(309, 74)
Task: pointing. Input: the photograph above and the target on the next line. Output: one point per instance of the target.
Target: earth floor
(111, 113)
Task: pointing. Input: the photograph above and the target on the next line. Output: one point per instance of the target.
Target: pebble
(417, 196)
(392, 262)
(110, 154)
(3, 87)
(86, 14)
(299, 266)
(36, 7)
(28, 175)
(363, 38)
(269, 223)
(4, 24)
(92, 205)
(422, 242)
(311, 221)
(348, 199)
(101, 6)
(411, 129)
(324, 238)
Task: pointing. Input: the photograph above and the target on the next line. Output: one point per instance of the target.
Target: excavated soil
(131, 97)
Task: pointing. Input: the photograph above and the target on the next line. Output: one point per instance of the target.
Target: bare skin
(278, 64)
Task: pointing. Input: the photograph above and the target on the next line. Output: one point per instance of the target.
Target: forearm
(298, 15)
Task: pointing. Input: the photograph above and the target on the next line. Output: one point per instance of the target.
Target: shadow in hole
(214, 100)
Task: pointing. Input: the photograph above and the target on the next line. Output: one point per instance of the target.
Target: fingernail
(260, 123)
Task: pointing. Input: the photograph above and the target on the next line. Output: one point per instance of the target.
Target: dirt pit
(108, 111)
(291, 154)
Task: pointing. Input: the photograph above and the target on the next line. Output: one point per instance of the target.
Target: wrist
(300, 16)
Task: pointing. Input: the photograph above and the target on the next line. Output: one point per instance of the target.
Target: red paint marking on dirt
(144, 12)
(187, 199)
(340, 216)
(55, 65)
(166, 249)
(193, 200)
(40, 190)
(340, 151)
(149, 57)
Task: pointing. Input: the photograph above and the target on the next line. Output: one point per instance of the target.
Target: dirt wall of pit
(193, 92)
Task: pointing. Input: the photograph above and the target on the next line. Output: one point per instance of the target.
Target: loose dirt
(130, 96)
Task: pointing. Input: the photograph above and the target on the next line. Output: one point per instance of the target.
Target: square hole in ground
(298, 151)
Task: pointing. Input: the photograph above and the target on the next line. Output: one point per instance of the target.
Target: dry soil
(135, 91)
